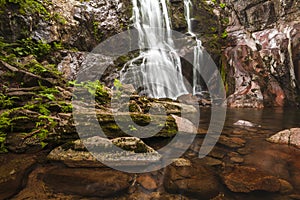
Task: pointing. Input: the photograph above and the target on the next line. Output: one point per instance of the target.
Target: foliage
(5, 102)
(95, 88)
(222, 5)
(60, 19)
(4, 125)
(117, 84)
(29, 47)
(224, 34)
(28, 7)
(25, 47)
(66, 107)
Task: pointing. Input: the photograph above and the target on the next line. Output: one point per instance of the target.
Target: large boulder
(288, 136)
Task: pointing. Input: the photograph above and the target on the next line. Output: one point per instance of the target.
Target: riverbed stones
(288, 136)
(248, 179)
(196, 179)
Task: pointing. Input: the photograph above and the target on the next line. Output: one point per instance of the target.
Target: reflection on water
(281, 161)
(274, 119)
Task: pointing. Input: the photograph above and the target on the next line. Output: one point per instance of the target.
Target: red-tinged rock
(249, 179)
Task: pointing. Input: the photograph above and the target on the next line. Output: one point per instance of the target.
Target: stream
(51, 180)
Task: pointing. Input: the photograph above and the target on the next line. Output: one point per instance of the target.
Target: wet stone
(237, 159)
(211, 161)
(285, 187)
(147, 182)
(244, 151)
(247, 179)
(217, 153)
(181, 162)
(233, 142)
(196, 179)
(87, 182)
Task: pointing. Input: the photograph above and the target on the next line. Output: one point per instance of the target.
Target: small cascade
(198, 49)
(157, 70)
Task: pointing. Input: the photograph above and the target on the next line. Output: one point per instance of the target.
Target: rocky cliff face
(79, 24)
(260, 59)
(262, 54)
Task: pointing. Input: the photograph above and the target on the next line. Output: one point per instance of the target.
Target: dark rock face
(80, 24)
(262, 56)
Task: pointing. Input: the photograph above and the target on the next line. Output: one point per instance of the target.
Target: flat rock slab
(87, 182)
(131, 152)
(288, 136)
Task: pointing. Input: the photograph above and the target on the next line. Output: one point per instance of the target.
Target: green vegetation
(9, 52)
(222, 5)
(95, 88)
(97, 34)
(27, 7)
(224, 34)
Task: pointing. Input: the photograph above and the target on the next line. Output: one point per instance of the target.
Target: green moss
(28, 7)
(96, 89)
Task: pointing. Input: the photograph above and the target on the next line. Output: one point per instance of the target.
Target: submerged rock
(231, 142)
(87, 182)
(248, 179)
(245, 124)
(192, 179)
(288, 136)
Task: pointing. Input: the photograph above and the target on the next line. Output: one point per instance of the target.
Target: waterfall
(197, 49)
(157, 71)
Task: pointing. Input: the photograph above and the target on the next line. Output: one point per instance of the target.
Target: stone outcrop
(261, 58)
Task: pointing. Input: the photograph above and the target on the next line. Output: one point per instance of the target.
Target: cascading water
(198, 49)
(157, 71)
